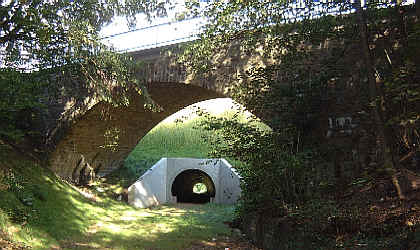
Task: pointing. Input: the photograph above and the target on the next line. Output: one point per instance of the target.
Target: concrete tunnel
(172, 180)
(183, 187)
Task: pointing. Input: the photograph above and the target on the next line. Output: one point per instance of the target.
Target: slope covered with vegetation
(41, 211)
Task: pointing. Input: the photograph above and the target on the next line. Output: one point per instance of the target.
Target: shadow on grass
(152, 232)
(70, 221)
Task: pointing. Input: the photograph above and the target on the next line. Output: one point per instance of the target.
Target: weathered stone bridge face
(96, 137)
(104, 136)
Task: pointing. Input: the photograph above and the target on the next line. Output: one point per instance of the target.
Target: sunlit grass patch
(162, 227)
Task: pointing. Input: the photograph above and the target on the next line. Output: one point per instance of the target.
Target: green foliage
(39, 34)
(17, 196)
(397, 70)
(322, 60)
(272, 174)
(18, 103)
(199, 188)
(46, 46)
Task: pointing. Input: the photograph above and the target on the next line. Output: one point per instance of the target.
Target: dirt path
(226, 243)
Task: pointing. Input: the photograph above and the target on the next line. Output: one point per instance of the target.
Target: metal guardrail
(155, 36)
(169, 33)
(159, 44)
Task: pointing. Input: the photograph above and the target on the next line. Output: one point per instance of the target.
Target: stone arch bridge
(87, 136)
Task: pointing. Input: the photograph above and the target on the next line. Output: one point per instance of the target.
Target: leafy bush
(19, 102)
(272, 174)
(22, 191)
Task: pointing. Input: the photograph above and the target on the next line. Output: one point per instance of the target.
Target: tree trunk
(417, 60)
(418, 9)
(338, 171)
(379, 110)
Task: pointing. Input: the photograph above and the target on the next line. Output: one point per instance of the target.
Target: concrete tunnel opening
(173, 180)
(184, 183)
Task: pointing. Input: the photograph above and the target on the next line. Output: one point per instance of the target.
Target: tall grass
(173, 139)
(185, 139)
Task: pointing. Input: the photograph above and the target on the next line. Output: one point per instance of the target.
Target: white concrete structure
(172, 179)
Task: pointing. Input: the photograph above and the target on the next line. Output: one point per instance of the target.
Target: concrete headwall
(229, 181)
(149, 189)
(154, 187)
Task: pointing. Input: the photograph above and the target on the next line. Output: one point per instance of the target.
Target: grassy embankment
(40, 210)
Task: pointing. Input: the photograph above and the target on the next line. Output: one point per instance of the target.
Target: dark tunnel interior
(183, 186)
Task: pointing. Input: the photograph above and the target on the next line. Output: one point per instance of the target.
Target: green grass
(40, 210)
(164, 227)
(33, 203)
(178, 139)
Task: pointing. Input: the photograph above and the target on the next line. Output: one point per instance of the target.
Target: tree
(312, 44)
(44, 44)
(379, 109)
(52, 33)
(278, 163)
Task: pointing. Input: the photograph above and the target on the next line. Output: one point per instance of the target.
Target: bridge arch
(100, 140)
(183, 184)
(86, 137)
